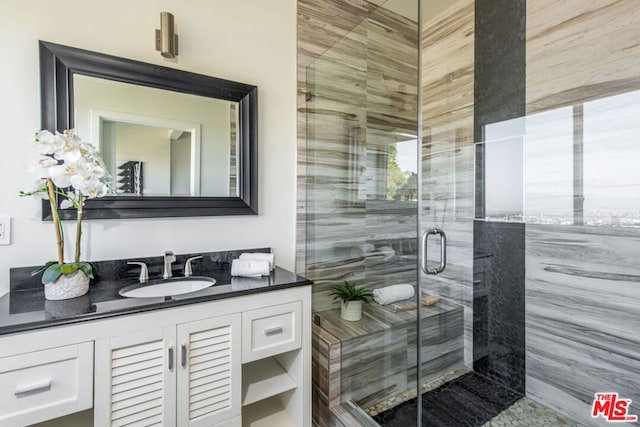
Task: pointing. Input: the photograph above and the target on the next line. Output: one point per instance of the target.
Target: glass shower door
(361, 211)
(446, 211)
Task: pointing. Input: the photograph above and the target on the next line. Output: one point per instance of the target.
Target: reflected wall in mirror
(177, 143)
(185, 142)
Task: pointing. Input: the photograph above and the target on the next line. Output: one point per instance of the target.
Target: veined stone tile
(582, 315)
(378, 353)
(578, 51)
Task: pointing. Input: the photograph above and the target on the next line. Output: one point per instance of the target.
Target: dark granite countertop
(24, 308)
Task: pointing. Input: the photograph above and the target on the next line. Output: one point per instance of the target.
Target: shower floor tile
(473, 400)
(527, 413)
(470, 400)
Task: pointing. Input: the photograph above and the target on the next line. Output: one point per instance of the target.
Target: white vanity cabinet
(184, 375)
(237, 362)
(45, 384)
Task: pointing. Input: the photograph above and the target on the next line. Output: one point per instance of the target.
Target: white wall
(180, 166)
(98, 98)
(250, 41)
(151, 146)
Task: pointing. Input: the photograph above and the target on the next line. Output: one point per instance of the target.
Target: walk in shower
(484, 152)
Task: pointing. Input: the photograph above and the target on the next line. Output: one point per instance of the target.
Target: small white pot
(351, 310)
(67, 286)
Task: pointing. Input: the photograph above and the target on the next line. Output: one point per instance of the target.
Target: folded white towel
(260, 256)
(250, 267)
(394, 293)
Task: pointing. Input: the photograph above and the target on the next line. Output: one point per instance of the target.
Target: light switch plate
(5, 230)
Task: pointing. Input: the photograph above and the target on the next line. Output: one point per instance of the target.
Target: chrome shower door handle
(443, 251)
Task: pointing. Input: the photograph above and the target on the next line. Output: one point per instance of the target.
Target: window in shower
(392, 171)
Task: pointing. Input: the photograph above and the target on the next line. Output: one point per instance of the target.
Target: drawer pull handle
(273, 331)
(43, 385)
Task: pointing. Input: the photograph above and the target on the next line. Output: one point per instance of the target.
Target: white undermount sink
(167, 288)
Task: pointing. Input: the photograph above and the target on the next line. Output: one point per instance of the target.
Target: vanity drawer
(46, 384)
(272, 330)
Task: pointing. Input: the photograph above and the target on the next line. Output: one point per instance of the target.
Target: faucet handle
(187, 265)
(169, 256)
(144, 271)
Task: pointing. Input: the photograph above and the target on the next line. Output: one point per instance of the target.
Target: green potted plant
(66, 166)
(351, 298)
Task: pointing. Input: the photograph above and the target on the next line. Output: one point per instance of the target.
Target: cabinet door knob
(183, 358)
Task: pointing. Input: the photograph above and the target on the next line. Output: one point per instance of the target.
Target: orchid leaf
(68, 268)
(52, 273)
(86, 268)
(54, 270)
(41, 269)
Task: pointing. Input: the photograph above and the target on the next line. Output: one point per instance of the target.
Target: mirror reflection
(157, 142)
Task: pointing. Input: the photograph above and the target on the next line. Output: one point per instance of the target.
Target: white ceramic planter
(67, 286)
(351, 310)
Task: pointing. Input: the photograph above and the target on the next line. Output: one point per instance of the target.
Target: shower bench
(373, 359)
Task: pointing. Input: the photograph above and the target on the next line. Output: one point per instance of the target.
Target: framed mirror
(177, 143)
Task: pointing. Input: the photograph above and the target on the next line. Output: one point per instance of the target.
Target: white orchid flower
(100, 190)
(70, 163)
(87, 149)
(40, 166)
(61, 174)
(90, 187)
(93, 188)
(66, 161)
(94, 169)
(81, 179)
(69, 152)
(47, 143)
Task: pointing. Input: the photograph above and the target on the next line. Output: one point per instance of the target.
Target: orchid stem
(78, 230)
(57, 225)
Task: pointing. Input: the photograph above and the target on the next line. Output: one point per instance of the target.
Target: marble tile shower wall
(359, 98)
(336, 122)
(582, 316)
(320, 26)
(583, 283)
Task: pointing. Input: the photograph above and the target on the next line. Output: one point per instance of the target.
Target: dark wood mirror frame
(59, 63)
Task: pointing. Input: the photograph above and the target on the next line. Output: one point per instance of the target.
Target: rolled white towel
(250, 267)
(367, 247)
(387, 252)
(260, 256)
(394, 293)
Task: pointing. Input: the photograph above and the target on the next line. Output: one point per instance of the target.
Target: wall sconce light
(166, 37)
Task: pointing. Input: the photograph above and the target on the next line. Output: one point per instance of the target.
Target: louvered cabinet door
(135, 379)
(209, 371)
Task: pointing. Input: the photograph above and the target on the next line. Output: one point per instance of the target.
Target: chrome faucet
(169, 258)
(144, 271)
(188, 271)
